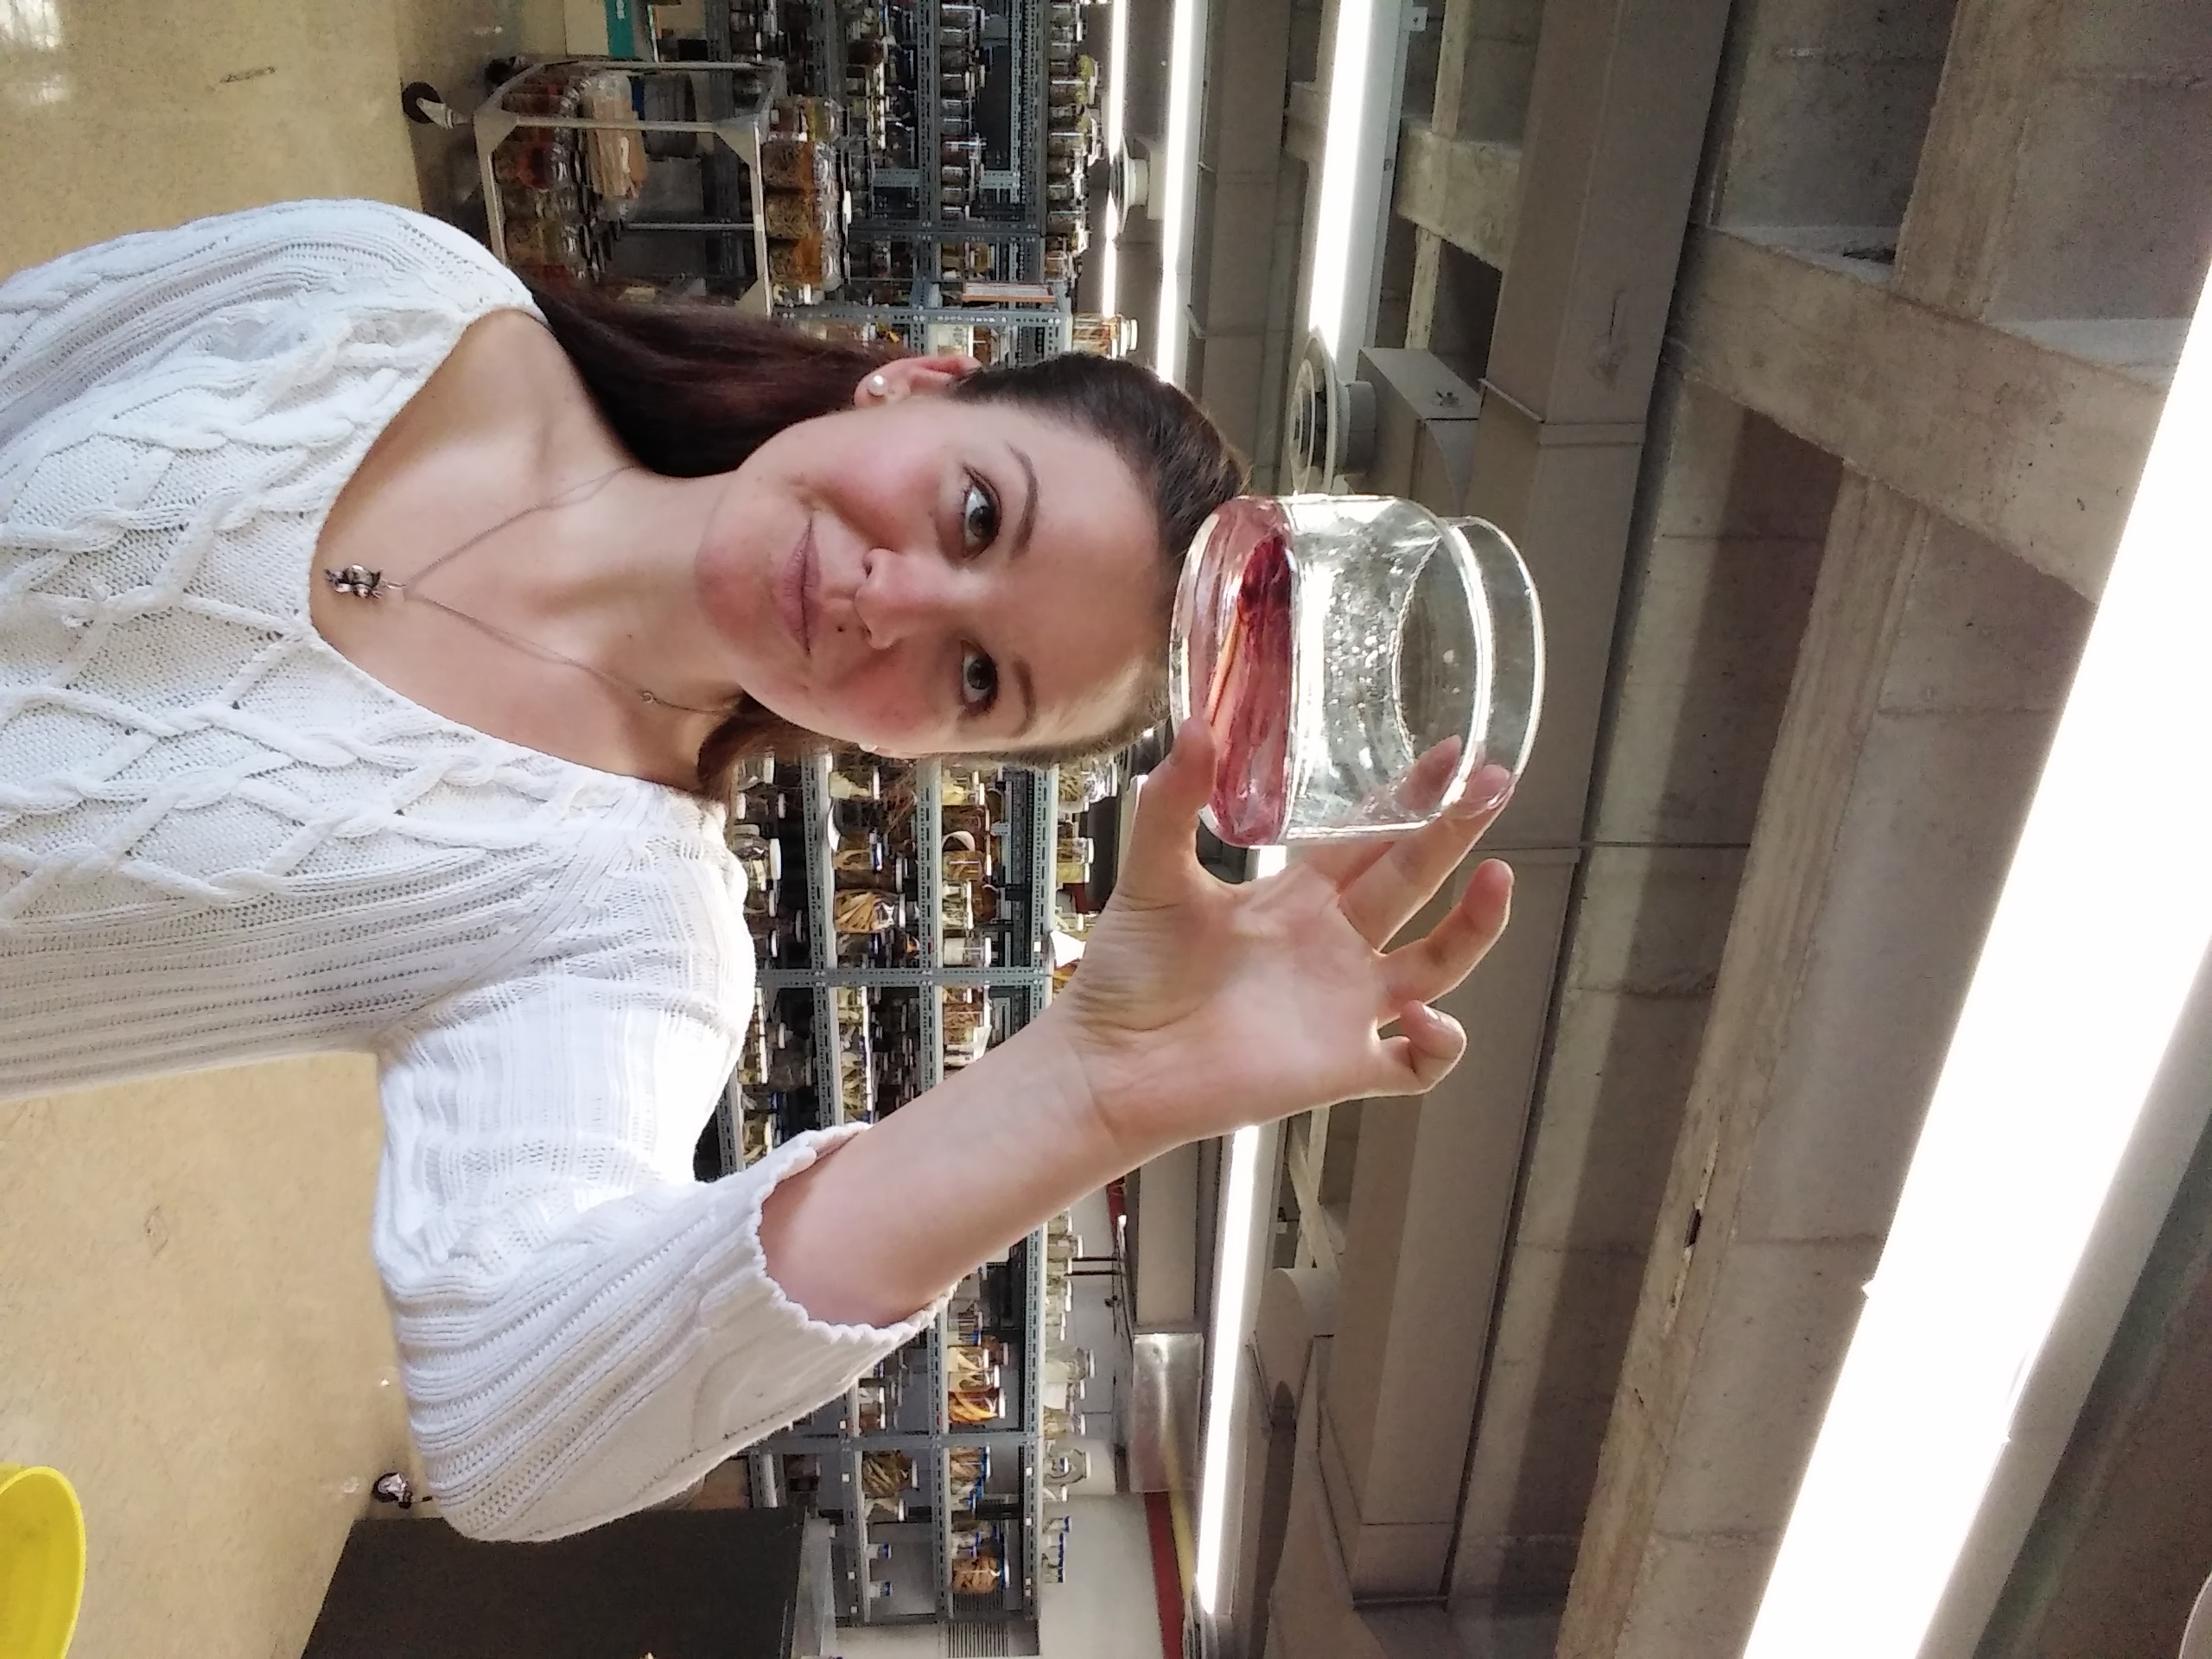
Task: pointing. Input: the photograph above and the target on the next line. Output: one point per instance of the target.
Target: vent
(1331, 424)
(974, 1638)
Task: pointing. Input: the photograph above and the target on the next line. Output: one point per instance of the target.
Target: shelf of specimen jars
(925, 1464)
(948, 1470)
(880, 968)
(643, 177)
(970, 129)
(943, 1468)
(1041, 325)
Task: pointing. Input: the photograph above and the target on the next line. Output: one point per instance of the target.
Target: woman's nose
(902, 595)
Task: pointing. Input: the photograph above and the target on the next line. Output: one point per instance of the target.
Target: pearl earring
(879, 386)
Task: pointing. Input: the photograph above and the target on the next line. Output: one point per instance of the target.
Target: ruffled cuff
(715, 1358)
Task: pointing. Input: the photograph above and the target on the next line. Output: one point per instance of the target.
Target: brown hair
(692, 390)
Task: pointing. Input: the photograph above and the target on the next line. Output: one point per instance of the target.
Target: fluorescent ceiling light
(1117, 43)
(1341, 171)
(2085, 971)
(1349, 161)
(1224, 1350)
(1109, 265)
(1178, 183)
(1232, 1295)
(1117, 83)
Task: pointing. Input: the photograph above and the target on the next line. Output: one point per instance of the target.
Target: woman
(368, 651)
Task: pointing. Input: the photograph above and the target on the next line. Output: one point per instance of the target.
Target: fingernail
(1485, 792)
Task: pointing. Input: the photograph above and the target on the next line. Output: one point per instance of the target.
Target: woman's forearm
(894, 1217)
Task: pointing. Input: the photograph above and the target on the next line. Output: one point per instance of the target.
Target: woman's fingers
(1428, 1045)
(1430, 967)
(1384, 897)
(1163, 849)
(1417, 795)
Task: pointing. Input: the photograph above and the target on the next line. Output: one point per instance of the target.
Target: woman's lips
(797, 596)
(811, 588)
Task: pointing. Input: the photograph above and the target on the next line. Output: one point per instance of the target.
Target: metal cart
(599, 169)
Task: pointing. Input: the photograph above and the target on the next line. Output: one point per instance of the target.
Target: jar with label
(791, 1068)
(885, 1475)
(857, 852)
(865, 913)
(967, 951)
(959, 907)
(526, 161)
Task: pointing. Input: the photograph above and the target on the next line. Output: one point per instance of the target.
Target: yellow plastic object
(41, 1562)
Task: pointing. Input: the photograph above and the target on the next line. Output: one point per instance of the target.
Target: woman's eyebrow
(1029, 520)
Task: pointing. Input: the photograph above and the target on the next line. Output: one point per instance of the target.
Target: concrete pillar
(1922, 702)
(1234, 297)
(2035, 447)
(1952, 245)
(1465, 192)
(1431, 1201)
(1485, 64)
(1486, 60)
(1168, 1252)
(1616, 112)
(1296, 1320)
(1718, 594)
(1820, 137)
(2068, 171)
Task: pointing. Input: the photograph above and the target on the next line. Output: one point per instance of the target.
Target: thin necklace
(359, 581)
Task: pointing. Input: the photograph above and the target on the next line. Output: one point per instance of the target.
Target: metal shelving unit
(1032, 103)
(1031, 1554)
(1039, 329)
(928, 128)
(840, 1450)
(906, 202)
(731, 101)
(941, 1462)
(1017, 224)
(928, 838)
(829, 47)
(821, 941)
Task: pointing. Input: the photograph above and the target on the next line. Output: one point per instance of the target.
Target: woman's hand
(1202, 1006)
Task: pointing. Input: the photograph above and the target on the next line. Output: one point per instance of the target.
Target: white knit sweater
(219, 840)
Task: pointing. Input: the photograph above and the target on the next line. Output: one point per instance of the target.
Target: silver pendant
(357, 581)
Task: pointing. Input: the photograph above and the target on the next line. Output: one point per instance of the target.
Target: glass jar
(1358, 660)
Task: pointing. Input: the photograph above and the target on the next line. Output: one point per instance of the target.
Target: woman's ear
(913, 377)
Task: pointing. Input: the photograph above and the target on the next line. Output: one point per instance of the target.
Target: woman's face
(925, 576)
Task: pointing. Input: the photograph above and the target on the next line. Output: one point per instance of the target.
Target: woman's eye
(979, 680)
(979, 517)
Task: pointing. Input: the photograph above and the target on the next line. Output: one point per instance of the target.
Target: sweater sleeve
(583, 1329)
(123, 308)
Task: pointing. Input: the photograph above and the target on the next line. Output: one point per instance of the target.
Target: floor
(190, 1326)
(124, 115)
(191, 1330)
